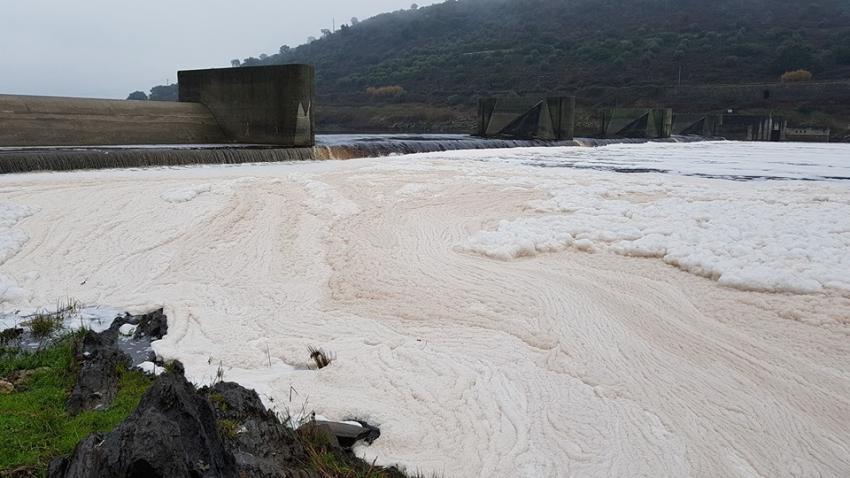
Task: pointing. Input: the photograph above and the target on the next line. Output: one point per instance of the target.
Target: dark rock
(99, 360)
(220, 431)
(153, 326)
(172, 433)
(261, 444)
(10, 335)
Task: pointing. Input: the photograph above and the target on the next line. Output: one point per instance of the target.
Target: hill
(423, 69)
(450, 52)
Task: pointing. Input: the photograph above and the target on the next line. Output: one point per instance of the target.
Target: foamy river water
(524, 312)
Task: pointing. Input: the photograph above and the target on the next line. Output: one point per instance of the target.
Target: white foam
(11, 238)
(185, 194)
(780, 237)
(151, 368)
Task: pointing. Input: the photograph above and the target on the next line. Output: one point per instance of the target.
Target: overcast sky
(108, 48)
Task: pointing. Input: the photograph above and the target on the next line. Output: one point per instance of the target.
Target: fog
(108, 48)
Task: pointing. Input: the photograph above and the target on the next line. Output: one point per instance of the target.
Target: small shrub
(219, 402)
(385, 91)
(43, 326)
(228, 428)
(219, 373)
(796, 75)
(10, 335)
(321, 358)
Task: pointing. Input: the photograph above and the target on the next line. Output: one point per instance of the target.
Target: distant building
(809, 135)
(751, 127)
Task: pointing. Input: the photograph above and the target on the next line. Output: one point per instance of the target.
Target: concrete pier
(648, 123)
(549, 119)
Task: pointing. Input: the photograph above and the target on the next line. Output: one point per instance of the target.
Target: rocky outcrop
(100, 358)
(100, 362)
(179, 431)
(10, 335)
(152, 326)
(219, 431)
(172, 433)
(261, 445)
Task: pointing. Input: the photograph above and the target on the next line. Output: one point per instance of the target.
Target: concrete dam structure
(255, 105)
(529, 118)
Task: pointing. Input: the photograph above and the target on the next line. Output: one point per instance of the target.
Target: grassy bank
(34, 424)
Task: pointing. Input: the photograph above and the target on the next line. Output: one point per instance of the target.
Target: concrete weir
(55, 121)
(20, 160)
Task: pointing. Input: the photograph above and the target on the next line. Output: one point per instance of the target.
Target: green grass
(34, 425)
(329, 462)
(228, 428)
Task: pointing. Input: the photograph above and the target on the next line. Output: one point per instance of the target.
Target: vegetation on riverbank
(35, 426)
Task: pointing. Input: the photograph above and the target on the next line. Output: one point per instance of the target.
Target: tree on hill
(138, 96)
(796, 75)
(164, 93)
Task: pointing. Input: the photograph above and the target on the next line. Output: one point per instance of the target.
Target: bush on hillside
(385, 91)
(796, 75)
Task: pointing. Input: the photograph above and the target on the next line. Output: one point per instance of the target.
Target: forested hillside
(448, 52)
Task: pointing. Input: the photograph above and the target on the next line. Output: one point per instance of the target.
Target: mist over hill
(449, 52)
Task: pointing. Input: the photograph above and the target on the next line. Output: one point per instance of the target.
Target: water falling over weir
(20, 160)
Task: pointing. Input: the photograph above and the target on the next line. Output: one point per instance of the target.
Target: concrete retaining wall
(827, 95)
(54, 121)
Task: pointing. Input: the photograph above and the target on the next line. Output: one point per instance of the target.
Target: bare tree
(235, 63)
